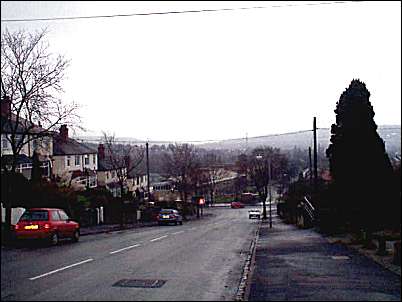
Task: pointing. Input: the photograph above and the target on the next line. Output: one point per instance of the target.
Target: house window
(86, 160)
(68, 161)
(92, 182)
(45, 169)
(46, 144)
(77, 160)
(4, 143)
(94, 159)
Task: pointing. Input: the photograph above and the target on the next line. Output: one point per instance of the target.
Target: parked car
(167, 216)
(236, 205)
(46, 223)
(254, 214)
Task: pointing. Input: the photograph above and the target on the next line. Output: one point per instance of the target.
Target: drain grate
(340, 257)
(142, 283)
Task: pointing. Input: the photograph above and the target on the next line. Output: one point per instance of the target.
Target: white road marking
(126, 248)
(60, 269)
(193, 228)
(159, 238)
(177, 232)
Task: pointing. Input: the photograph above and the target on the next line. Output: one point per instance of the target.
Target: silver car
(167, 216)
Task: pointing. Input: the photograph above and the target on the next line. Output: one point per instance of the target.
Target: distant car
(50, 224)
(167, 216)
(254, 214)
(236, 205)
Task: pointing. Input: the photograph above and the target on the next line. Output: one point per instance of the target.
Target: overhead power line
(139, 142)
(174, 12)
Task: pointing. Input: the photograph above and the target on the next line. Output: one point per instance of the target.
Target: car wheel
(54, 239)
(76, 236)
(249, 217)
(175, 223)
(181, 222)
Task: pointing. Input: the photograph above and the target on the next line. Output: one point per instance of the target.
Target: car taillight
(46, 226)
(16, 227)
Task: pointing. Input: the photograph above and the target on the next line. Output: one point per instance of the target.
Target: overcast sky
(219, 75)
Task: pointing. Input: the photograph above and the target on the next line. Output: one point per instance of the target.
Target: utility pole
(310, 166)
(315, 155)
(270, 199)
(149, 193)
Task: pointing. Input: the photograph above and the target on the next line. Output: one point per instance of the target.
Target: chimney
(64, 132)
(5, 106)
(101, 152)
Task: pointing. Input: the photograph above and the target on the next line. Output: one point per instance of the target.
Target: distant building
(137, 183)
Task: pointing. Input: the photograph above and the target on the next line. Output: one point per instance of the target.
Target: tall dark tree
(359, 164)
(36, 173)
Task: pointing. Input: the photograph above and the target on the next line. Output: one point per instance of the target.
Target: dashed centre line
(61, 269)
(158, 238)
(125, 248)
(177, 232)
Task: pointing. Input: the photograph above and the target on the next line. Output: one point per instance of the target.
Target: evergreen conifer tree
(360, 167)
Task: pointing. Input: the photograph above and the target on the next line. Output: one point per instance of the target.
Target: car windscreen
(35, 216)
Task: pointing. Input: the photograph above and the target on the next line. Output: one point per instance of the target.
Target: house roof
(113, 185)
(79, 173)
(133, 174)
(104, 164)
(21, 159)
(7, 159)
(8, 125)
(69, 146)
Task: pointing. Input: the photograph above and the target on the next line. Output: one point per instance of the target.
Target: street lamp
(270, 199)
(264, 211)
(264, 207)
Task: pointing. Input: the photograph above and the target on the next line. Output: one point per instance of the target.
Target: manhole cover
(340, 257)
(142, 283)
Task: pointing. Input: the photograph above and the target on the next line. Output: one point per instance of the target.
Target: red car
(236, 205)
(46, 223)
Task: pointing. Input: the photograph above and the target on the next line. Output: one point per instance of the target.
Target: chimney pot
(5, 106)
(101, 151)
(64, 131)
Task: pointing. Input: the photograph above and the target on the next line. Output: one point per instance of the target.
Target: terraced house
(112, 176)
(26, 138)
(74, 163)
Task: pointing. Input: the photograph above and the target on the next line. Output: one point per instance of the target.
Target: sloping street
(200, 260)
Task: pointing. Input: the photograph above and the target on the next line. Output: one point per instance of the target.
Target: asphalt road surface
(200, 260)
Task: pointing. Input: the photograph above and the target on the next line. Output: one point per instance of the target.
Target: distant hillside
(391, 134)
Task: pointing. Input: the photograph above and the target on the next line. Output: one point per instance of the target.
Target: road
(200, 260)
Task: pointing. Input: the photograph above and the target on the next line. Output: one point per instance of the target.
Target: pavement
(290, 263)
(105, 228)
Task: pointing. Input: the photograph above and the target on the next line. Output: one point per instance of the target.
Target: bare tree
(124, 158)
(264, 165)
(181, 162)
(31, 86)
(213, 172)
